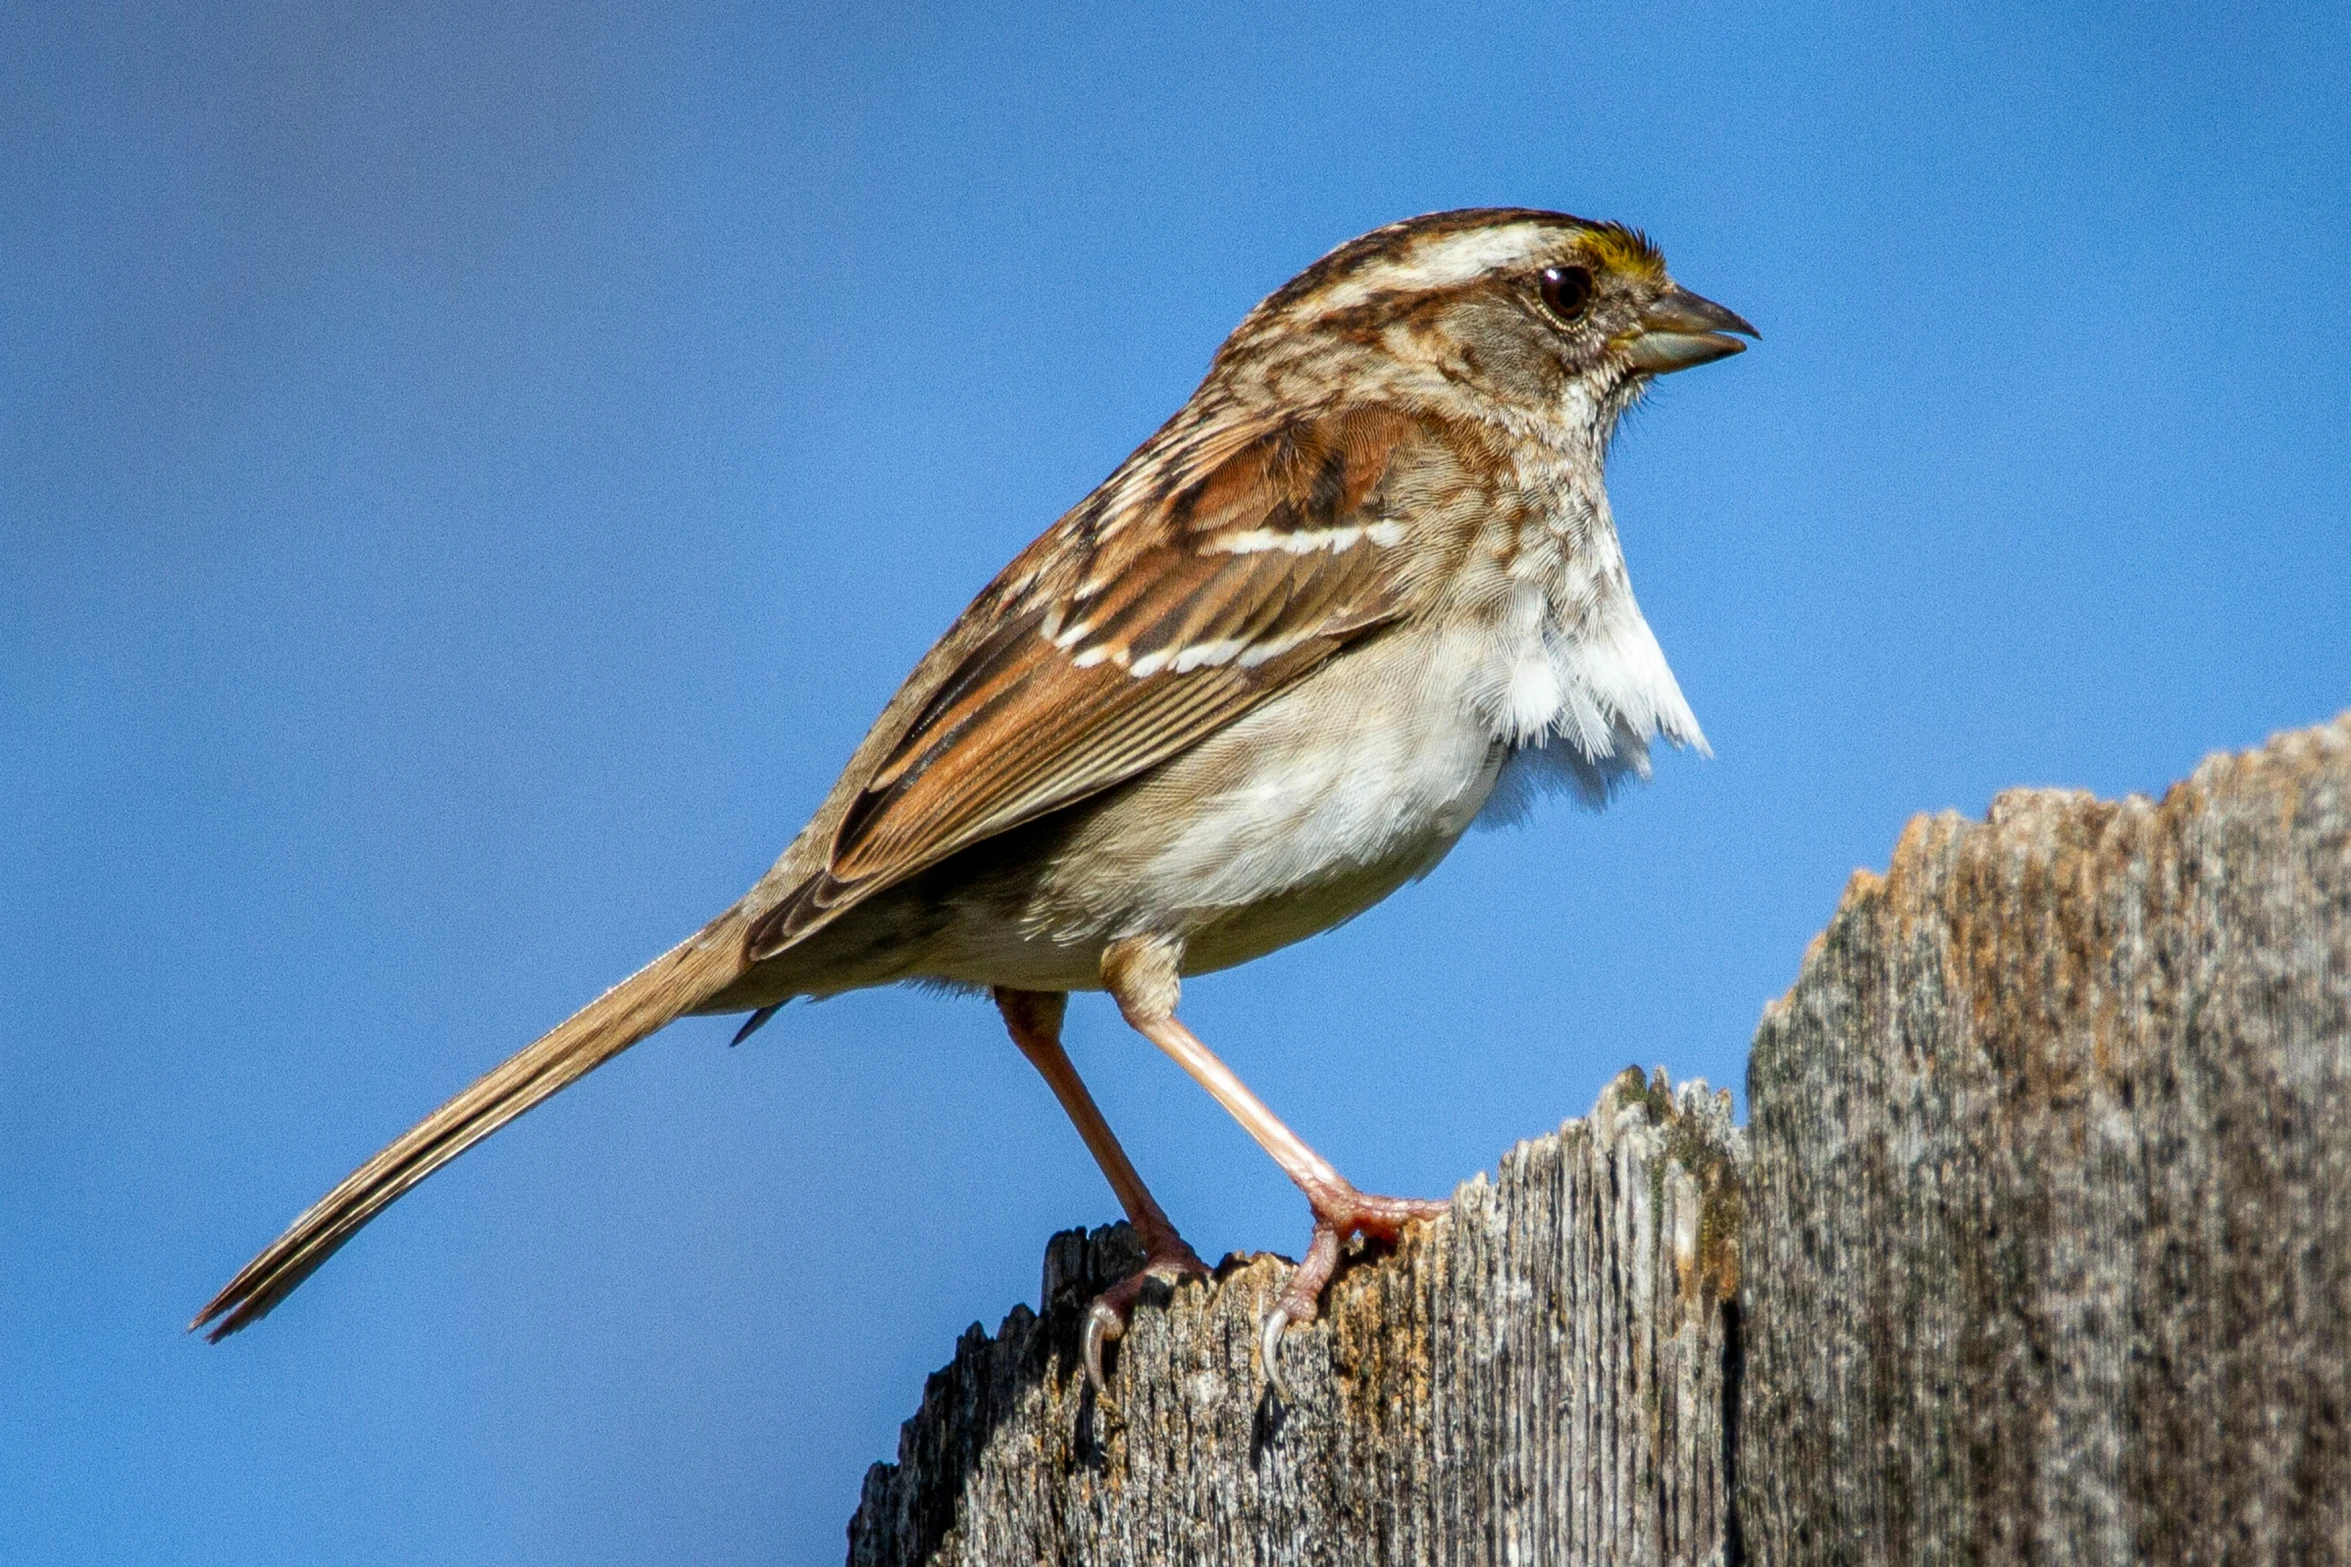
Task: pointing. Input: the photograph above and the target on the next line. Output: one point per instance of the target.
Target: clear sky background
(469, 474)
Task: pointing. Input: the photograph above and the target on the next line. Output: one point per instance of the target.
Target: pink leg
(1034, 1021)
(1141, 976)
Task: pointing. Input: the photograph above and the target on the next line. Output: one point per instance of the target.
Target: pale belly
(1300, 816)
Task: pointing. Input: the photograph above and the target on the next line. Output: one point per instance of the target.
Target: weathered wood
(2052, 1187)
(2046, 1242)
(1535, 1378)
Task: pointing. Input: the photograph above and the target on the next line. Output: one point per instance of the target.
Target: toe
(1109, 1312)
(1298, 1304)
(1176, 1265)
(1384, 1218)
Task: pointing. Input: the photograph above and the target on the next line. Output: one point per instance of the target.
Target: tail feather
(662, 990)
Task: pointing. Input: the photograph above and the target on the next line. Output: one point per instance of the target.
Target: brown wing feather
(1142, 630)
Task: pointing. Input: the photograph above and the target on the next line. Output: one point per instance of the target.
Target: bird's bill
(1681, 330)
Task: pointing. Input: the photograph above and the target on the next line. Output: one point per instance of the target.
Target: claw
(1170, 1262)
(1103, 1324)
(1300, 1300)
(1297, 1303)
(1269, 1350)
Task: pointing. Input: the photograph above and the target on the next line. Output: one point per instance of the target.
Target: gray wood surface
(2052, 1187)
(1536, 1378)
(2042, 1254)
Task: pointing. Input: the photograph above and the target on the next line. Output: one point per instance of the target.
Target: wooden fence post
(2042, 1253)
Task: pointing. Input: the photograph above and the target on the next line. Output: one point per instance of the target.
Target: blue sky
(469, 474)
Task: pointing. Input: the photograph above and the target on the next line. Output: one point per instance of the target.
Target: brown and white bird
(1361, 588)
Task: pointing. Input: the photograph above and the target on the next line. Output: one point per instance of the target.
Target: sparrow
(1363, 588)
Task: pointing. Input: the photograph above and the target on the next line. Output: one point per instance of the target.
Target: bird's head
(1520, 311)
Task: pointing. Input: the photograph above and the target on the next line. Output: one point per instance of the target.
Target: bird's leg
(1141, 975)
(1034, 1020)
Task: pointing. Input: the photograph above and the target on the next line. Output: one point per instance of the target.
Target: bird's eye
(1566, 291)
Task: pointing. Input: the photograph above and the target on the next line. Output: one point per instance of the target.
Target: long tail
(670, 985)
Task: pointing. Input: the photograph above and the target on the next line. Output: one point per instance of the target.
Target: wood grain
(1536, 1378)
(2052, 1187)
(2042, 1254)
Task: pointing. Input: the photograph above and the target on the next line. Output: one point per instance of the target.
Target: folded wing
(1190, 589)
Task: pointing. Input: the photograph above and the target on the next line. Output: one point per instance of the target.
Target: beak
(1680, 330)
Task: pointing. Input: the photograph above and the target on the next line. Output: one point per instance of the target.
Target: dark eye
(1566, 291)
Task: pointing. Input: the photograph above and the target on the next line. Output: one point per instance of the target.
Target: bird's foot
(1339, 1213)
(1166, 1260)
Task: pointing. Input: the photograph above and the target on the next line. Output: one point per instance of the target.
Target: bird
(1362, 590)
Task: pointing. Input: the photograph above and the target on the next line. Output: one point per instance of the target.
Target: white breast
(1578, 685)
